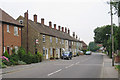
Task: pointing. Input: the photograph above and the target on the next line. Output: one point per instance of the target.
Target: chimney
(59, 28)
(42, 21)
(65, 30)
(74, 34)
(68, 31)
(26, 15)
(35, 18)
(50, 24)
(62, 29)
(54, 26)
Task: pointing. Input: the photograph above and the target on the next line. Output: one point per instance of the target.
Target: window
(43, 38)
(43, 51)
(51, 39)
(8, 50)
(21, 21)
(16, 31)
(51, 51)
(62, 41)
(56, 51)
(16, 49)
(4, 49)
(8, 28)
(56, 40)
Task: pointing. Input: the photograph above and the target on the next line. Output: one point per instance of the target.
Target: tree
(93, 46)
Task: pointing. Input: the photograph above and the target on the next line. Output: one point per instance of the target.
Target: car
(88, 53)
(67, 55)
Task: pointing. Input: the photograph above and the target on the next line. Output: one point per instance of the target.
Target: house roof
(44, 29)
(84, 44)
(6, 18)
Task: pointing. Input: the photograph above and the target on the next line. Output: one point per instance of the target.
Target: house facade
(11, 33)
(48, 40)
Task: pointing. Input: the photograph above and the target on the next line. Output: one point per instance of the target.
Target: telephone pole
(112, 37)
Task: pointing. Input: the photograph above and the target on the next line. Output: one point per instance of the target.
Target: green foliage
(21, 62)
(40, 56)
(21, 52)
(13, 51)
(6, 54)
(93, 46)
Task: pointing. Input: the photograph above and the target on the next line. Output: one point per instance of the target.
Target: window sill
(16, 35)
(8, 32)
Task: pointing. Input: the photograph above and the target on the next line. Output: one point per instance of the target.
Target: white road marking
(54, 72)
(77, 63)
(69, 66)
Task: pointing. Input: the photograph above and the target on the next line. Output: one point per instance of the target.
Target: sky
(80, 16)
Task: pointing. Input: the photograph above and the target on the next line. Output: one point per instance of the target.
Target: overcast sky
(81, 16)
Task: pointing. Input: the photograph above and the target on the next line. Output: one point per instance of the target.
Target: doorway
(46, 53)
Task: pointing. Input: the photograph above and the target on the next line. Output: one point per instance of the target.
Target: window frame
(15, 30)
(8, 28)
(43, 38)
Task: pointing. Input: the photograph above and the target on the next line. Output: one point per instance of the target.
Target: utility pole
(27, 32)
(112, 37)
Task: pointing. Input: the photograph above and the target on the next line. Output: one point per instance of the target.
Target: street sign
(37, 41)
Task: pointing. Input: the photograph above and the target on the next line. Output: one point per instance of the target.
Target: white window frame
(8, 28)
(50, 39)
(62, 41)
(4, 49)
(43, 51)
(43, 38)
(16, 49)
(51, 51)
(15, 31)
(56, 40)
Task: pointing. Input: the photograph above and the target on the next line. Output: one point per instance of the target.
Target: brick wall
(0, 39)
(10, 40)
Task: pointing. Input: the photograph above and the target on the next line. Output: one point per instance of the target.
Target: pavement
(97, 65)
(108, 71)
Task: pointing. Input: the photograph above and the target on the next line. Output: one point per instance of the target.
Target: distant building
(10, 33)
(84, 45)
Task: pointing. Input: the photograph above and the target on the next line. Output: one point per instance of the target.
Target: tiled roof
(4, 17)
(43, 29)
(84, 44)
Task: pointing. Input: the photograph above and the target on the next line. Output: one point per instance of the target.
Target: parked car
(88, 53)
(67, 55)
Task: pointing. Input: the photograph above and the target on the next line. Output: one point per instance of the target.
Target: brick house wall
(11, 40)
(1, 40)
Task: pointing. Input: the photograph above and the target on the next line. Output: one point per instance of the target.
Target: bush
(14, 57)
(6, 54)
(21, 52)
(13, 51)
(27, 59)
(40, 56)
(21, 62)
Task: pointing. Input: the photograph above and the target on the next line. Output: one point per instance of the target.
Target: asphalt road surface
(86, 66)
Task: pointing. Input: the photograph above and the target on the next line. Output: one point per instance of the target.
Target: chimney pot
(42, 21)
(68, 31)
(35, 18)
(65, 30)
(50, 24)
(62, 29)
(74, 34)
(54, 26)
(59, 28)
(26, 15)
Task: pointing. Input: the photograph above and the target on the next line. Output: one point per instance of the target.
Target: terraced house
(46, 39)
(10, 33)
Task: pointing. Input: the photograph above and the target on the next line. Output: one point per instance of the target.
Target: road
(86, 66)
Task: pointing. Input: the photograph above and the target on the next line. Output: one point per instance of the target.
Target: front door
(46, 53)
